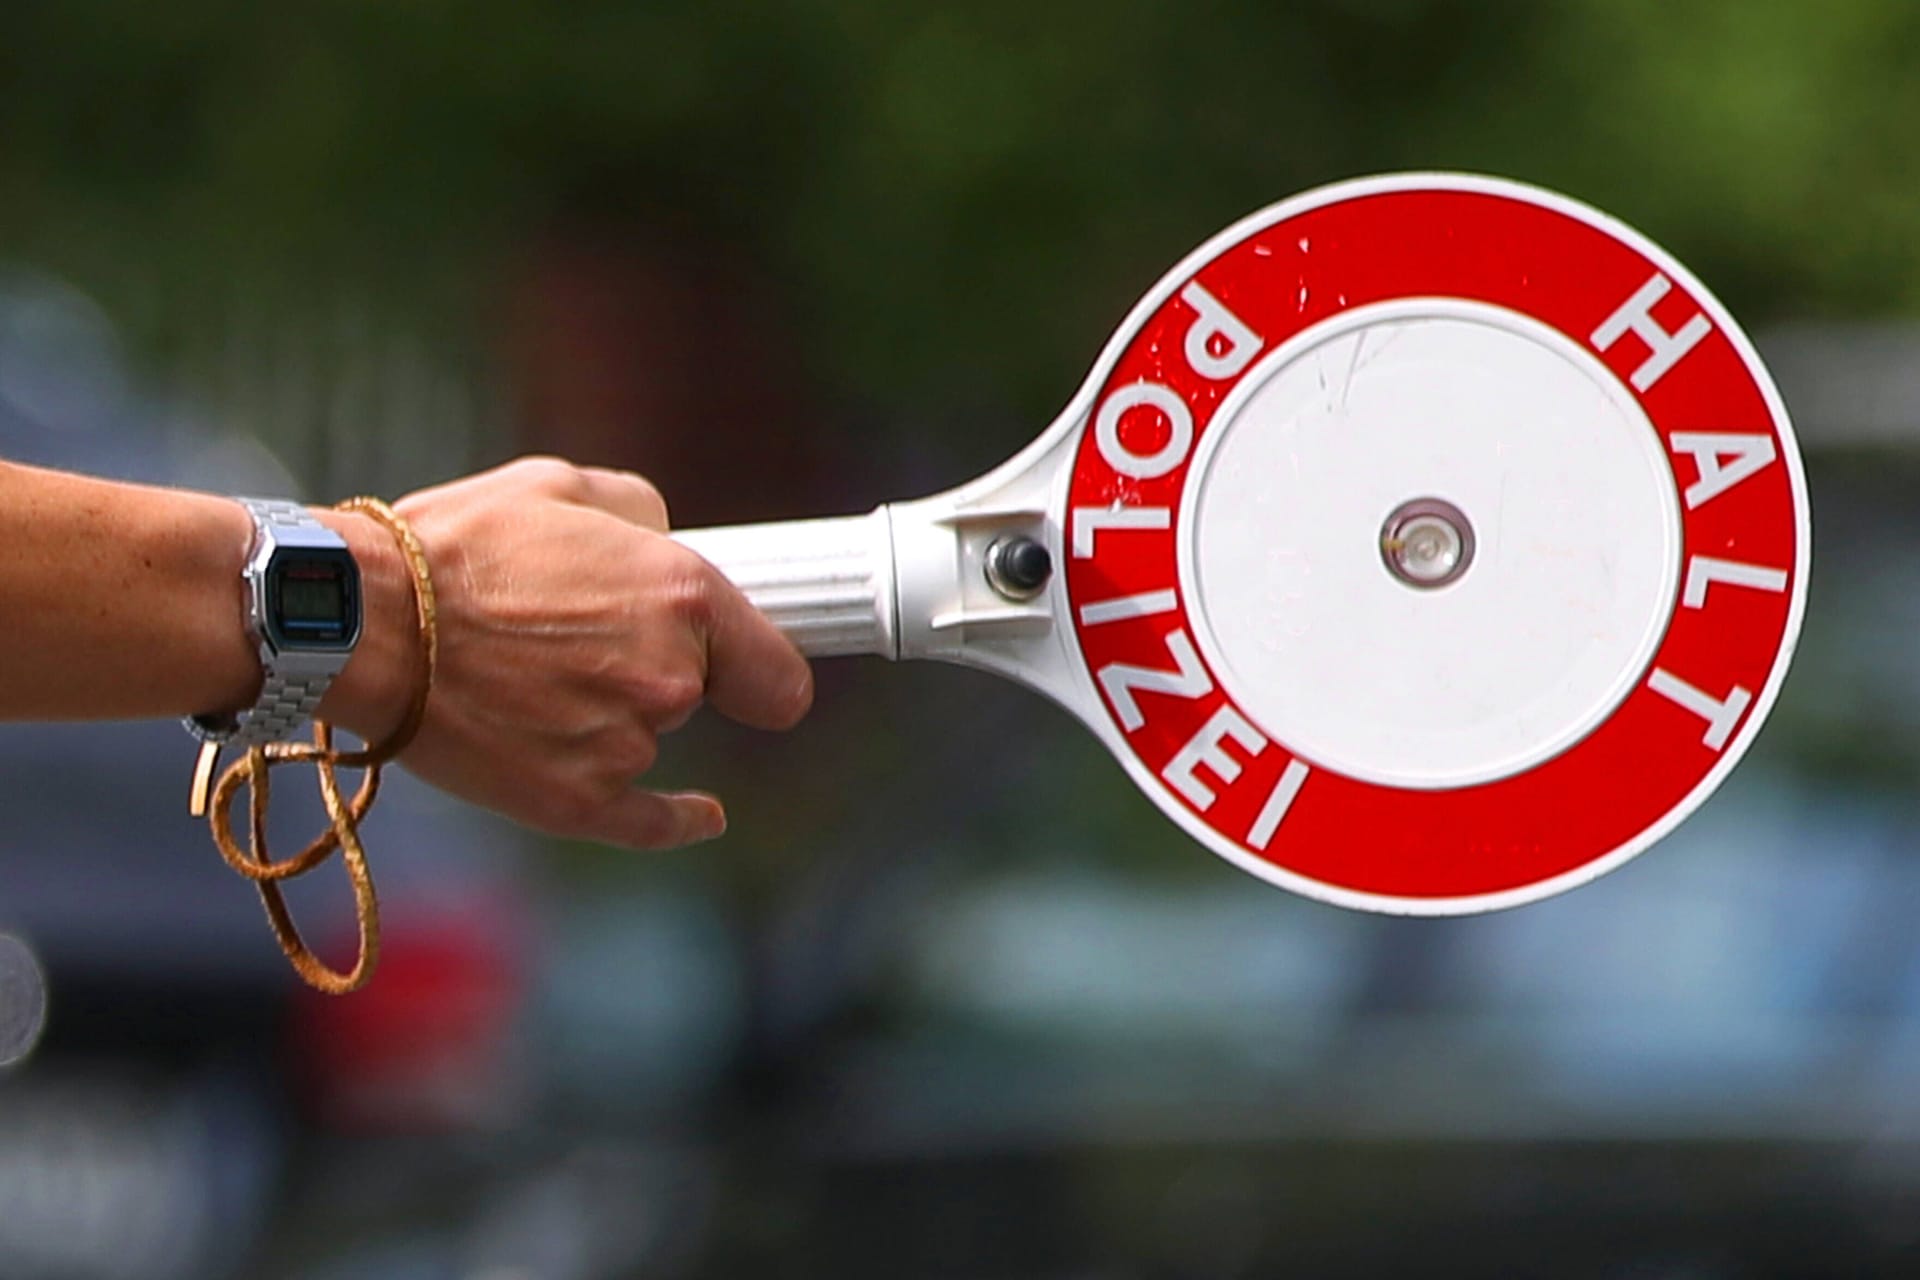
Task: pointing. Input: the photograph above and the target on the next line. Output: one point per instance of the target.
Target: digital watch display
(313, 600)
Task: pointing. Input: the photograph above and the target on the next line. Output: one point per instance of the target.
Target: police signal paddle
(1426, 543)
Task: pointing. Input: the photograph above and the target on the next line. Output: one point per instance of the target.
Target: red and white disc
(1434, 543)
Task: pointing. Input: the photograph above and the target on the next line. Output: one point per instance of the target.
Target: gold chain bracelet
(255, 862)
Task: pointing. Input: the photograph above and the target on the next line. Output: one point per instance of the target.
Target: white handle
(827, 584)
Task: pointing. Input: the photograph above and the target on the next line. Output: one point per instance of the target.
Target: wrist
(212, 537)
(370, 695)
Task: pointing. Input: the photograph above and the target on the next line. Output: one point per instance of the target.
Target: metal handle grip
(827, 584)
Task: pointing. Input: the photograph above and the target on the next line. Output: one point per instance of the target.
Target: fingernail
(713, 828)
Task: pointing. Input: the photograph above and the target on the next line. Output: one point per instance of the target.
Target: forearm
(120, 601)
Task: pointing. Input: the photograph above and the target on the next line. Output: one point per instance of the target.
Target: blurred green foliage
(957, 195)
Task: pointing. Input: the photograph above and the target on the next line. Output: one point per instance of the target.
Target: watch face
(313, 600)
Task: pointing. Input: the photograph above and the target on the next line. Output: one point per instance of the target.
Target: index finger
(626, 494)
(754, 673)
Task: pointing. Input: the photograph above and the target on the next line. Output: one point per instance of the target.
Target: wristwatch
(303, 613)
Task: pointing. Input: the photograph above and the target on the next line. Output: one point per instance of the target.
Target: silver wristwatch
(303, 614)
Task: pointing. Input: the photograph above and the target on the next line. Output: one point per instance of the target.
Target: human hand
(572, 634)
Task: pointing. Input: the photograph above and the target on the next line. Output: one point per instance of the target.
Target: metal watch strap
(286, 702)
(282, 708)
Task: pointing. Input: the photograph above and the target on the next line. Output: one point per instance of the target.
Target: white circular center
(1574, 519)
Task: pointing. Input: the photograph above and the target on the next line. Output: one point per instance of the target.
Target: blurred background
(798, 258)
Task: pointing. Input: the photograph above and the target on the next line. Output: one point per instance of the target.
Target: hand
(572, 634)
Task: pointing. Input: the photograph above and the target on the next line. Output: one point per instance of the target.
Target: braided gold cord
(252, 771)
(427, 614)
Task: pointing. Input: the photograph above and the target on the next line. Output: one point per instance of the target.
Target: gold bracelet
(255, 862)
